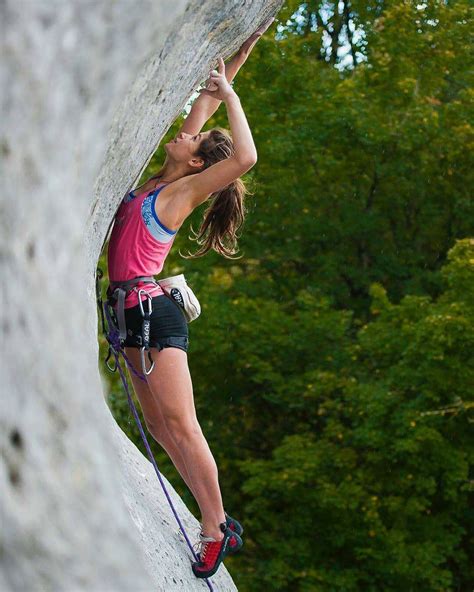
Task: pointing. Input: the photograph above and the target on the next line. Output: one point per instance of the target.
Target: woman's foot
(213, 552)
(233, 524)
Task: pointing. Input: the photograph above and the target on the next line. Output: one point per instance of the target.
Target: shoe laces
(206, 549)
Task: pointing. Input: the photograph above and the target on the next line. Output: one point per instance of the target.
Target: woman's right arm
(244, 146)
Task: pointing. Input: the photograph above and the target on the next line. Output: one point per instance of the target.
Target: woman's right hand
(223, 90)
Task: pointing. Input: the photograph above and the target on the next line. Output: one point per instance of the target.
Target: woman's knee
(182, 429)
(156, 429)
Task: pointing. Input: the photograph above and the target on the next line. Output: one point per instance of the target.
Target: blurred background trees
(333, 363)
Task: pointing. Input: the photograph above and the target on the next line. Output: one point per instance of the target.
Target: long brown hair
(226, 211)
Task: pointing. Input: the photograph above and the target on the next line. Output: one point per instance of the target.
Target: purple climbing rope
(114, 340)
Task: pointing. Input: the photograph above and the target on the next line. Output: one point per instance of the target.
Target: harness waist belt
(117, 292)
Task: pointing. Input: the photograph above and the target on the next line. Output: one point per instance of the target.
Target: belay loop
(116, 347)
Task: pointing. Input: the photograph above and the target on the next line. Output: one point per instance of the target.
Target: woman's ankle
(215, 534)
(213, 529)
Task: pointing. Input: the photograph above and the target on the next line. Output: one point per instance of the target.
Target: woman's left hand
(242, 54)
(247, 46)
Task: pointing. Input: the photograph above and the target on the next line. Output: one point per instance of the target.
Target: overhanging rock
(89, 89)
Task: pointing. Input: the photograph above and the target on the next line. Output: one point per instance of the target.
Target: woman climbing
(199, 167)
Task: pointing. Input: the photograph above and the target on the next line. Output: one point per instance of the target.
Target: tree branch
(346, 13)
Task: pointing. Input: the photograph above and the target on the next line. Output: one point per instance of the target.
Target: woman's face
(183, 147)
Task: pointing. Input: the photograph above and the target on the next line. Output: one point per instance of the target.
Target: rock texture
(89, 89)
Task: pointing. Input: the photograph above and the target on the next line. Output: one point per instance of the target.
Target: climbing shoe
(233, 524)
(213, 552)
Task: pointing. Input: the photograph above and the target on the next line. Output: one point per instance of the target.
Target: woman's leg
(170, 382)
(154, 419)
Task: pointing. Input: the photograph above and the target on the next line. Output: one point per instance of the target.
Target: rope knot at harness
(114, 339)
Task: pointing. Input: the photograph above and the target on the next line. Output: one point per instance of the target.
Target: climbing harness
(175, 288)
(115, 336)
(116, 294)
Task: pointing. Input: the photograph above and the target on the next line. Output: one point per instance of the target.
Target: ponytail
(226, 211)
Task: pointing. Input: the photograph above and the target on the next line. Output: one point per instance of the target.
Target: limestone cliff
(88, 90)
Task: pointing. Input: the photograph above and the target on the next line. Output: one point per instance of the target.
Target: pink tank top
(139, 243)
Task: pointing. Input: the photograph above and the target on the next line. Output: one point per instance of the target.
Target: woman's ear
(196, 163)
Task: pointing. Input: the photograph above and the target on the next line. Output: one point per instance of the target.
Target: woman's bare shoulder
(181, 188)
(174, 204)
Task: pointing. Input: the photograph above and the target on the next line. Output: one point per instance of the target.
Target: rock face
(89, 89)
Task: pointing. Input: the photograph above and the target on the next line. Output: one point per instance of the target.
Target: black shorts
(168, 327)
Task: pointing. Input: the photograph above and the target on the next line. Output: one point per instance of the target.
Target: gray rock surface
(89, 88)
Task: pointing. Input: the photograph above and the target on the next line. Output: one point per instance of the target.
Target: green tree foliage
(332, 364)
(366, 173)
(370, 491)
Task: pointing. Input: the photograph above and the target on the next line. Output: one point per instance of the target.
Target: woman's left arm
(205, 106)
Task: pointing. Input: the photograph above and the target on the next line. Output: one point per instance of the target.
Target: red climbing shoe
(233, 524)
(213, 552)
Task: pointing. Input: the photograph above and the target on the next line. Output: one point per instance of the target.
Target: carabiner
(142, 357)
(150, 304)
(107, 360)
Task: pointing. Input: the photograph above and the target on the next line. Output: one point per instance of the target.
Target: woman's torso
(140, 241)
